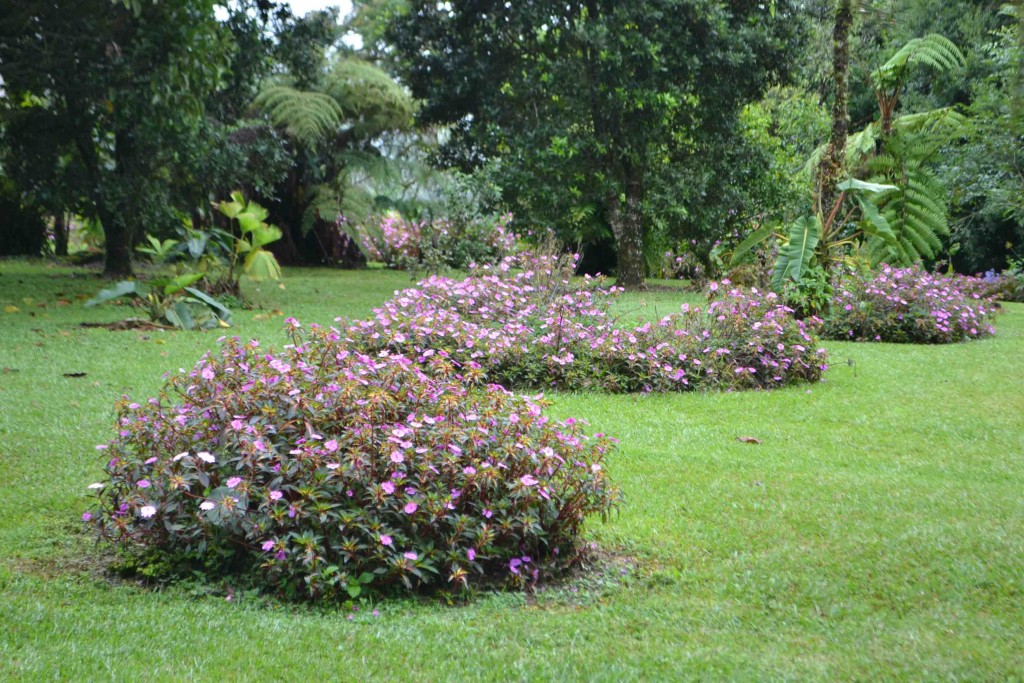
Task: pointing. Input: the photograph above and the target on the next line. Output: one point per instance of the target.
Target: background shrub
(526, 324)
(909, 305)
(319, 472)
(432, 244)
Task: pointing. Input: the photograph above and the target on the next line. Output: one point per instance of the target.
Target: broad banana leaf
(796, 256)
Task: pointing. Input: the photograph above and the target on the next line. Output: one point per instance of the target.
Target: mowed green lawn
(876, 532)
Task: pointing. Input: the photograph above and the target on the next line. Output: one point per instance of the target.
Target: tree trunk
(60, 234)
(118, 246)
(630, 237)
(117, 231)
(831, 165)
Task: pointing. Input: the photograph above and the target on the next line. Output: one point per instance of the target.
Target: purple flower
(397, 457)
(86, 516)
(528, 480)
(385, 539)
(471, 554)
(331, 446)
(487, 514)
(411, 508)
(410, 556)
(388, 487)
(142, 483)
(268, 546)
(233, 482)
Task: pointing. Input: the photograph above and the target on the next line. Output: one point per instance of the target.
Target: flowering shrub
(322, 472)
(433, 245)
(1005, 286)
(909, 305)
(524, 324)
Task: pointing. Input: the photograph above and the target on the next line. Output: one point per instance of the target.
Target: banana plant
(823, 239)
(170, 301)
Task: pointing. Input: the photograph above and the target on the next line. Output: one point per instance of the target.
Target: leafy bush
(321, 472)
(525, 324)
(431, 245)
(909, 305)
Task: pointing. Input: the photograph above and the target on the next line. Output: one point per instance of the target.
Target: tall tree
(585, 102)
(113, 89)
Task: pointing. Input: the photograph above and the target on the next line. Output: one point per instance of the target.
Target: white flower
(207, 505)
(97, 485)
(147, 511)
(206, 457)
(179, 456)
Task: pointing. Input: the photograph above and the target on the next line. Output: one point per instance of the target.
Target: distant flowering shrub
(525, 324)
(432, 245)
(1005, 286)
(909, 305)
(323, 472)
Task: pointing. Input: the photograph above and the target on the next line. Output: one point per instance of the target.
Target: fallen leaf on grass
(74, 374)
(748, 439)
(11, 309)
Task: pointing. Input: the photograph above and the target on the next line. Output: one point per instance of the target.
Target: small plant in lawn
(320, 473)
(170, 301)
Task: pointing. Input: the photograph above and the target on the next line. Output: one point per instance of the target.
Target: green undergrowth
(874, 532)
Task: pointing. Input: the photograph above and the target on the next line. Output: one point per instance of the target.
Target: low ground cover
(873, 533)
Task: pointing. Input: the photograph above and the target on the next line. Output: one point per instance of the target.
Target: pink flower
(410, 556)
(233, 482)
(469, 470)
(152, 460)
(276, 495)
(471, 554)
(86, 516)
(488, 513)
(528, 480)
(388, 487)
(268, 546)
(207, 373)
(397, 457)
(331, 446)
(237, 425)
(147, 511)
(385, 539)
(143, 483)
(411, 508)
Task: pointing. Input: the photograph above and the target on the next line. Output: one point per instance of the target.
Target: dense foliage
(320, 472)
(910, 305)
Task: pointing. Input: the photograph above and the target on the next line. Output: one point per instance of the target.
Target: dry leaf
(748, 439)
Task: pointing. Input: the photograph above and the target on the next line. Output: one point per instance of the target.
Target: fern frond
(916, 212)
(309, 117)
(933, 50)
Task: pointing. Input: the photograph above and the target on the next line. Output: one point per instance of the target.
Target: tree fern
(309, 117)
(916, 211)
(370, 99)
(933, 50)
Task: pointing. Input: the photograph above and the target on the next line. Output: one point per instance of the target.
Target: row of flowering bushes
(435, 244)
(320, 472)
(909, 305)
(525, 324)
